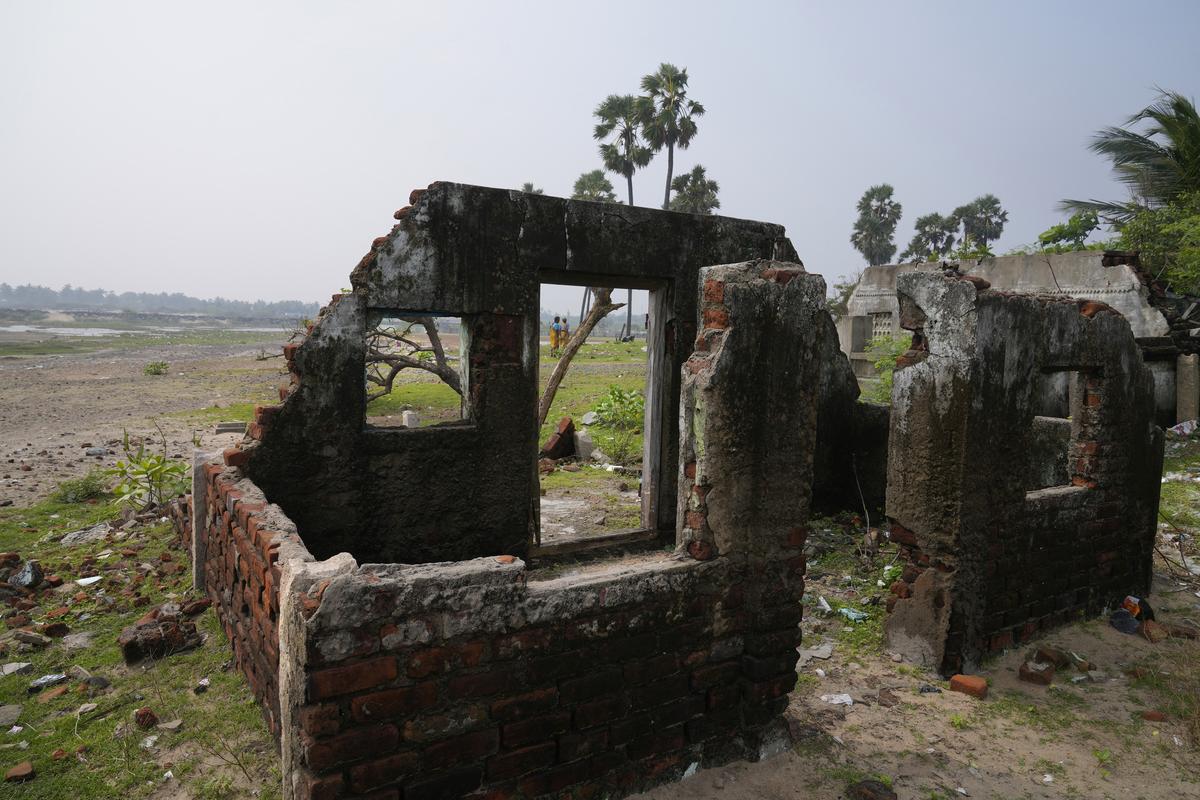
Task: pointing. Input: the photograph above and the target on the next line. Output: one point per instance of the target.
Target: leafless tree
(394, 348)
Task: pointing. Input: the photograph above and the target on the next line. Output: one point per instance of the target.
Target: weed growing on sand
(155, 368)
(79, 490)
(145, 480)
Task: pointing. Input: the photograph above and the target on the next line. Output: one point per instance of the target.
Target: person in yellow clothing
(555, 330)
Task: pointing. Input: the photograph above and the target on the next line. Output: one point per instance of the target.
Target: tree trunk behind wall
(601, 308)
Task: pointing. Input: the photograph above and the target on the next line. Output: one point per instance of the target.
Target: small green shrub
(620, 408)
(884, 350)
(621, 413)
(155, 368)
(78, 490)
(145, 480)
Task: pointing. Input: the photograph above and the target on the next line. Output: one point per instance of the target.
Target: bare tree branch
(381, 353)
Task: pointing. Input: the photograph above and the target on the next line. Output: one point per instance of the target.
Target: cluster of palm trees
(631, 129)
(982, 220)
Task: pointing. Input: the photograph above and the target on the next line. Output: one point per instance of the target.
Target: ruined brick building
(379, 587)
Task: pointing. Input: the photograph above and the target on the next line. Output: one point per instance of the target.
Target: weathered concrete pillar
(1187, 387)
(748, 418)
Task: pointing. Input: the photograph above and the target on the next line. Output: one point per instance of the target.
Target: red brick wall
(612, 694)
(241, 574)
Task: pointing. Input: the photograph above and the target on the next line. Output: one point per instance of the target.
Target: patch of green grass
(71, 345)
(433, 400)
(595, 368)
(231, 412)
(223, 726)
(848, 774)
(92, 486)
(1055, 711)
(588, 478)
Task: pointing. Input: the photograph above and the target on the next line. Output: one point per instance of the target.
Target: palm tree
(594, 186)
(982, 219)
(694, 193)
(933, 238)
(667, 115)
(878, 214)
(1157, 166)
(626, 153)
(528, 188)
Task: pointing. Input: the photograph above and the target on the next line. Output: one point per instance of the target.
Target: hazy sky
(254, 149)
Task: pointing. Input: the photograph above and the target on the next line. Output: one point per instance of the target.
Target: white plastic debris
(88, 581)
(824, 605)
(1184, 428)
(837, 699)
(820, 672)
(1047, 778)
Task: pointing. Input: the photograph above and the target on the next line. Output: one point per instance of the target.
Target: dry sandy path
(53, 407)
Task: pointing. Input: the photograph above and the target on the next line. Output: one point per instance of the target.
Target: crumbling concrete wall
(479, 254)
(989, 563)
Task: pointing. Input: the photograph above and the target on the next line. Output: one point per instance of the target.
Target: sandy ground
(53, 408)
(1080, 738)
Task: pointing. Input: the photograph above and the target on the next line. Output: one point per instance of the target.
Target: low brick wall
(236, 552)
(447, 679)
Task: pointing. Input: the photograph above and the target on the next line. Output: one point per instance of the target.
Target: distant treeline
(70, 298)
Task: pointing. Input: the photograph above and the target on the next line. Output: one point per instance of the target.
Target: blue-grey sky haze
(254, 149)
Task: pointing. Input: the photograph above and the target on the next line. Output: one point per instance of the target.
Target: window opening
(413, 374)
(881, 324)
(591, 469)
(1057, 394)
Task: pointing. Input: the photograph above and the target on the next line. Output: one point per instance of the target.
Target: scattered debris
(854, 615)
(926, 688)
(171, 726)
(1152, 631)
(822, 651)
(870, 790)
(1123, 621)
(31, 638)
(89, 581)
(1185, 428)
(20, 773)
(87, 535)
(837, 699)
(1037, 672)
(46, 680)
(202, 686)
(29, 576)
(973, 685)
(158, 634)
(1051, 655)
(145, 718)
